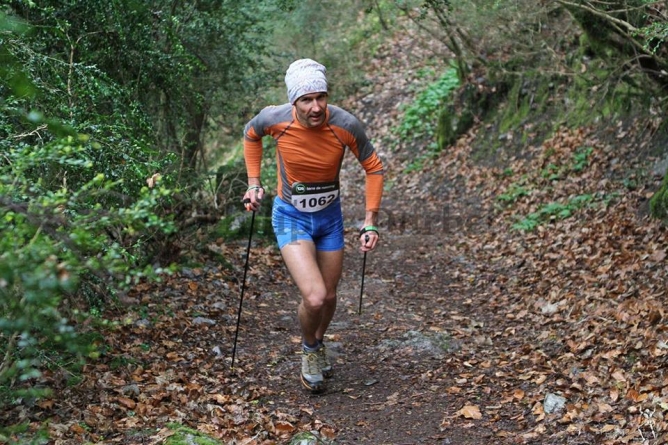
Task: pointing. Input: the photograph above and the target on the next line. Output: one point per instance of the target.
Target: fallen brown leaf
(470, 412)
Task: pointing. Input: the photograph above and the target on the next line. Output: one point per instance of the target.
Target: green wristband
(369, 229)
(254, 187)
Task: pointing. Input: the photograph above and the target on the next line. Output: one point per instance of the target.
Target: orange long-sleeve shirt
(312, 154)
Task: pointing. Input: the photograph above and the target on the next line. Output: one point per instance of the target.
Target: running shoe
(325, 364)
(311, 374)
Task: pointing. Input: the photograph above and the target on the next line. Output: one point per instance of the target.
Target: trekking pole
(243, 285)
(359, 311)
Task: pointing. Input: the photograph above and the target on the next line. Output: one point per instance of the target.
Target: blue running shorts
(324, 228)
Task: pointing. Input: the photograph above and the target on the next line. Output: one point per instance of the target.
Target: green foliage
(420, 117)
(553, 210)
(553, 171)
(69, 100)
(581, 158)
(76, 213)
(52, 238)
(518, 107)
(606, 56)
(420, 160)
(578, 162)
(188, 436)
(654, 36)
(175, 63)
(514, 192)
(619, 30)
(658, 203)
(417, 165)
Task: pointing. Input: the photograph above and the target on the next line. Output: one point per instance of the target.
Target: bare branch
(601, 14)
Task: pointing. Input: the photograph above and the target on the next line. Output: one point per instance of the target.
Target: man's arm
(253, 159)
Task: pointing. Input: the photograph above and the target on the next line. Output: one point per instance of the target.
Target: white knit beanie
(305, 76)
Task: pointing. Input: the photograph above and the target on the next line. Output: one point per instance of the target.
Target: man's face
(311, 109)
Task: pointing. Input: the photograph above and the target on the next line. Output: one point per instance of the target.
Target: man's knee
(315, 300)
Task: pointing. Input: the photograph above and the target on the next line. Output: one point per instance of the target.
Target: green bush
(658, 204)
(76, 211)
(50, 239)
(420, 117)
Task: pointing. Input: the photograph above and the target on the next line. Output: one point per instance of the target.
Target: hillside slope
(546, 270)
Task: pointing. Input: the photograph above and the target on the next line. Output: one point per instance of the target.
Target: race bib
(311, 197)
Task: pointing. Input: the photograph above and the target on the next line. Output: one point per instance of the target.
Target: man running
(311, 137)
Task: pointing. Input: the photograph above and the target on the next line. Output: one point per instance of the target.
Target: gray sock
(310, 348)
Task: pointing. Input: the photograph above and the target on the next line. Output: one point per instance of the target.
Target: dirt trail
(393, 361)
(400, 366)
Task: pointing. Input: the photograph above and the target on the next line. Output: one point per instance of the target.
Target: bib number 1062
(313, 197)
(321, 201)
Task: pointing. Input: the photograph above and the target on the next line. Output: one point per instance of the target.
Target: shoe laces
(322, 355)
(312, 363)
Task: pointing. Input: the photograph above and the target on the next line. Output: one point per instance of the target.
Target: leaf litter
(553, 335)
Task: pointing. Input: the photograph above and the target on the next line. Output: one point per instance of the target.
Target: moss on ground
(658, 204)
(188, 436)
